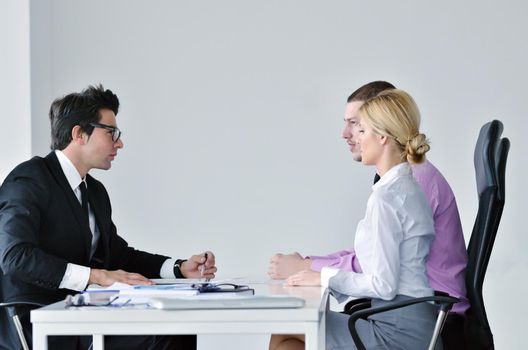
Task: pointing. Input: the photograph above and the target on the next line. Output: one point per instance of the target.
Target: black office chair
(490, 157)
(491, 154)
(13, 334)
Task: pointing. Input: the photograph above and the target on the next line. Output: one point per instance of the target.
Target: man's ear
(77, 135)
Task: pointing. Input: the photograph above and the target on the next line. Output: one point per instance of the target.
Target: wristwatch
(177, 268)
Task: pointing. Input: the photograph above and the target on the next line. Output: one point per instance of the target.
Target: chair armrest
(12, 305)
(356, 305)
(445, 303)
(11, 311)
(351, 307)
(16, 303)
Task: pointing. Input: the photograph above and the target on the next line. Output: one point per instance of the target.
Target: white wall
(41, 74)
(232, 111)
(15, 99)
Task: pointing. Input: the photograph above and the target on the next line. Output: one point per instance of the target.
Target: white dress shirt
(392, 242)
(76, 276)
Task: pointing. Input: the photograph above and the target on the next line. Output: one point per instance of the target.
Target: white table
(55, 319)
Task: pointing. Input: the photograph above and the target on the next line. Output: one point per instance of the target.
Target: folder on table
(240, 302)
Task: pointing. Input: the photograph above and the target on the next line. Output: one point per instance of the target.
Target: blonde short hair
(393, 113)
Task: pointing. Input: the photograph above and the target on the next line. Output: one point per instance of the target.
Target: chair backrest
(490, 164)
(501, 156)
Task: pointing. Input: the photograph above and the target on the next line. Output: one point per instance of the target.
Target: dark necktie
(84, 198)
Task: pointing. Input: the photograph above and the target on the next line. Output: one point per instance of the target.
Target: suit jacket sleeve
(119, 254)
(129, 259)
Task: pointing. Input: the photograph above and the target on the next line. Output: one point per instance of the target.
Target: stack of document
(120, 294)
(159, 290)
(142, 294)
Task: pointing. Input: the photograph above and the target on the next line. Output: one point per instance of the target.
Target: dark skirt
(406, 328)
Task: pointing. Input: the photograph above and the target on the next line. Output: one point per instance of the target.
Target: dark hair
(370, 90)
(79, 109)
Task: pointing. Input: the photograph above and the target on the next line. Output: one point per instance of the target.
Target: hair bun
(416, 148)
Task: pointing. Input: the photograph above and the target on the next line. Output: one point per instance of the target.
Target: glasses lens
(114, 131)
(116, 134)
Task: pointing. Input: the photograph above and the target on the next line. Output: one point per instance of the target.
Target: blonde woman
(392, 241)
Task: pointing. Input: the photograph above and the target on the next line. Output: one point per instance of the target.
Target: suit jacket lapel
(84, 227)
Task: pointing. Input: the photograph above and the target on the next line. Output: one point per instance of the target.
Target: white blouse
(392, 242)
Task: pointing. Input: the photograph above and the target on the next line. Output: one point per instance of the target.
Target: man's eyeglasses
(116, 133)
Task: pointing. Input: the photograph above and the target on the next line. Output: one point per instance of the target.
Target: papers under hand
(140, 294)
(164, 289)
(160, 290)
(117, 286)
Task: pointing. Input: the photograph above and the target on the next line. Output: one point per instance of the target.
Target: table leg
(312, 338)
(40, 339)
(321, 331)
(98, 342)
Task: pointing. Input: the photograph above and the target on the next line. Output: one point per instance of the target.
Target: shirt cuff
(317, 263)
(75, 278)
(326, 274)
(167, 269)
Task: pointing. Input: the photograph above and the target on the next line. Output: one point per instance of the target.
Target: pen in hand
(202, 267)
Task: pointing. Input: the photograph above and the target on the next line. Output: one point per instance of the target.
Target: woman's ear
(383, 139)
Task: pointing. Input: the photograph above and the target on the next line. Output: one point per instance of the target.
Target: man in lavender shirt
(447, 258)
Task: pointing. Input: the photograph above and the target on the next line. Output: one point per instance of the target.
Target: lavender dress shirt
(446, 264)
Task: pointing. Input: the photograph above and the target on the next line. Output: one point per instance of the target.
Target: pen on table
(202, 267)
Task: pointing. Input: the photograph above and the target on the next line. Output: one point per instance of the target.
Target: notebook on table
(238, 302)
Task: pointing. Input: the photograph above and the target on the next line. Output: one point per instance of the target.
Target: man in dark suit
(56, 229)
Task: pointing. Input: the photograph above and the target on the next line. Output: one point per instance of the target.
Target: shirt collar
(396, 171)
(69, 170)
